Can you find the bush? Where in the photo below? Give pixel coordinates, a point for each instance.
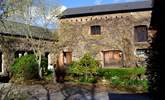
(126, 78)
(87, 64)
(88, 80)
(121, 72)
(85, 68)
(26, 67)
(48, 75)
(88, 61)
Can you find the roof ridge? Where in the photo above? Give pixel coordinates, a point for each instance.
(131, 2)
(108, 8)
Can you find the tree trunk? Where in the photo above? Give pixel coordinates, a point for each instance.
(39, 66)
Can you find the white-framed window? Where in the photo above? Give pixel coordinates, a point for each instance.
(19, 53)
(141, 53)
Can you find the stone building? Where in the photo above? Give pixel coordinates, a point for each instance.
(14, 43)
(115, 34)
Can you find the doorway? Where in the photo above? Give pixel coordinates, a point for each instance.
(0, 61)
(67, 58)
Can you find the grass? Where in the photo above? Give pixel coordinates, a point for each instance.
(124, 79)
(129, 79)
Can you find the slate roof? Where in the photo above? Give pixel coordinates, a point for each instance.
(19, 29)
(107, 9)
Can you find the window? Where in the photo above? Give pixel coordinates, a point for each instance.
(47, 54)
(141, 52)
(19, 54)
(48, 58)
(140, 33)
(0, 61)
(96, 30)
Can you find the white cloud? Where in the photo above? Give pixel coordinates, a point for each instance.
(63, 8)
(98, 2)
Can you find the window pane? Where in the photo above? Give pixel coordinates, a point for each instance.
(140, 33)
(95, 30)
(142, 52)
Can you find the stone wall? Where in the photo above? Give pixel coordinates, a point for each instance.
(117, 33)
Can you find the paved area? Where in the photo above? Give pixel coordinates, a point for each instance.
(116, 96)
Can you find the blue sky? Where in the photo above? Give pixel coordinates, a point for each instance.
(79, 3)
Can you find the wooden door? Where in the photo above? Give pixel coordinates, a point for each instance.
(112, 58)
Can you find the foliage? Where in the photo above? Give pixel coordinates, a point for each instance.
(87, 64)
(127, 78)
(88, 80)
(48, 75)
(88, 61)
(44, 66)
(87, 67)
(26, 67)
(120, 72)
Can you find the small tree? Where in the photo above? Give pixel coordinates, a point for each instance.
(86, 66)
(90, 65)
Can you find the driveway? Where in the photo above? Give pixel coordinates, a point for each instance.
(116, 96)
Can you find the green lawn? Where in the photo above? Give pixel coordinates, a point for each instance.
(124, 79)
(131, 79)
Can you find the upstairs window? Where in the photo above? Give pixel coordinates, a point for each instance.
(140, 33)
(96, 30)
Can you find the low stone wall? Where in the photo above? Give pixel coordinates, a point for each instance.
(48, 92)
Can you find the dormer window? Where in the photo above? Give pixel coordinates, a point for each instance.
(96, 30)
(140, 33)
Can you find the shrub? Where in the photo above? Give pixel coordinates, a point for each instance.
(88, 79)
(88, 61)
(86, 64)
(75, 69)
(121, 72)
(127, 78)
(26, 67)
(86, 67)
(48, 75)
